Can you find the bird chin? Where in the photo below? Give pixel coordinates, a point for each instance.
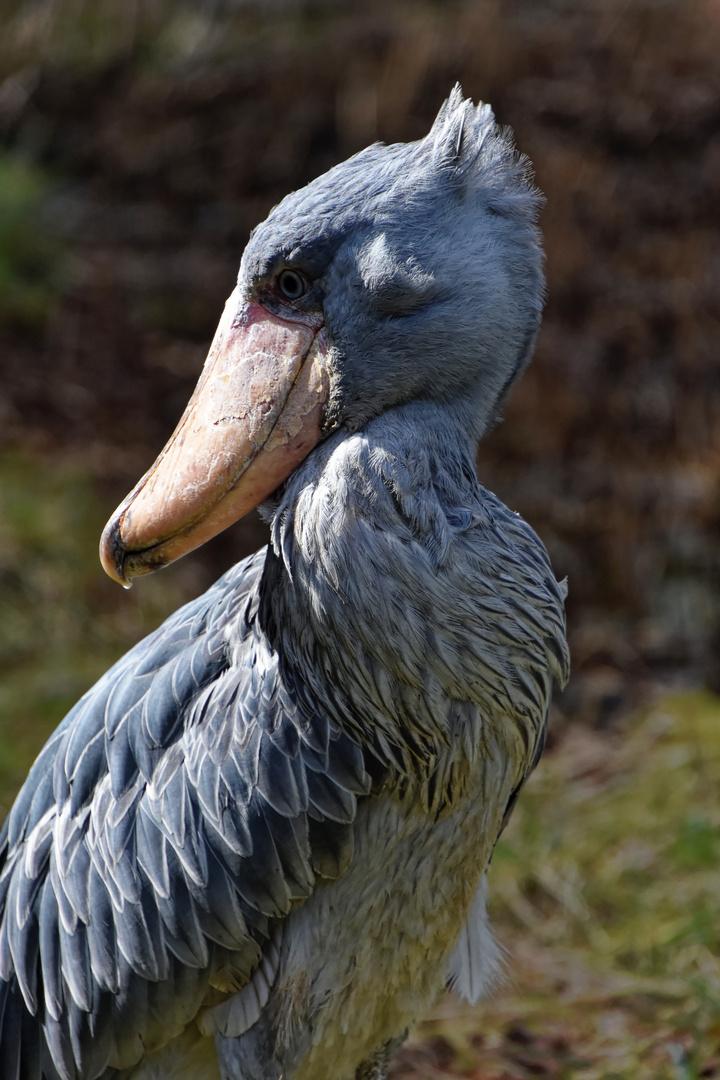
(256, 413)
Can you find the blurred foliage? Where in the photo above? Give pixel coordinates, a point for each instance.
(29, 253)
(62, 624)
(604, 889)
(87, 35)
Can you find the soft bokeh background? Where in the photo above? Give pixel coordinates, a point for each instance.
(139, 143)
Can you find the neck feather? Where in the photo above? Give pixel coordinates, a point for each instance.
(390, 571)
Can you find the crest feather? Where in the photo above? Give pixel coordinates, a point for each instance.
(459, 130)
(467, 142)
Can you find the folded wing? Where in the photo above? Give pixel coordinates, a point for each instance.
(185, 803)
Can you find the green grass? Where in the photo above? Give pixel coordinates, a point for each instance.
(62, 623)
(605, 891)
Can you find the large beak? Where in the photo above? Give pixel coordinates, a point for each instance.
(255, 414)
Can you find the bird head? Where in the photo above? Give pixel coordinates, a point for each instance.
(410, 272)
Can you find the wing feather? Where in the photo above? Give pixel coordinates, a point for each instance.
(189, 798)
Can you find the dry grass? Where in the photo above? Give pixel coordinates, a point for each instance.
(605, 894)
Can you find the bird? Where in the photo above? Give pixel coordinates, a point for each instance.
(257, 848)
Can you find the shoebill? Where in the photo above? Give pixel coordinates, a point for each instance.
(256, 849)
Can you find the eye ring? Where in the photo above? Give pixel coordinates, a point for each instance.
(291, 284)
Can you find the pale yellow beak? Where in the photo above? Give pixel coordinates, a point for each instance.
(255, 414)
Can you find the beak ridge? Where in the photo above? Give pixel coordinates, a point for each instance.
(255, 414)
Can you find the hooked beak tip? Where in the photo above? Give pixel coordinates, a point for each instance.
(112, 553)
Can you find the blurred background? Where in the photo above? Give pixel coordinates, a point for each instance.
(139, 143)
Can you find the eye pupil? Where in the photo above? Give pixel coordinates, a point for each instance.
(290, 284)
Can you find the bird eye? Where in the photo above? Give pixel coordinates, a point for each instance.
(291, 284)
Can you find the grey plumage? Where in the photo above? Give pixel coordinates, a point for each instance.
(328, 741)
